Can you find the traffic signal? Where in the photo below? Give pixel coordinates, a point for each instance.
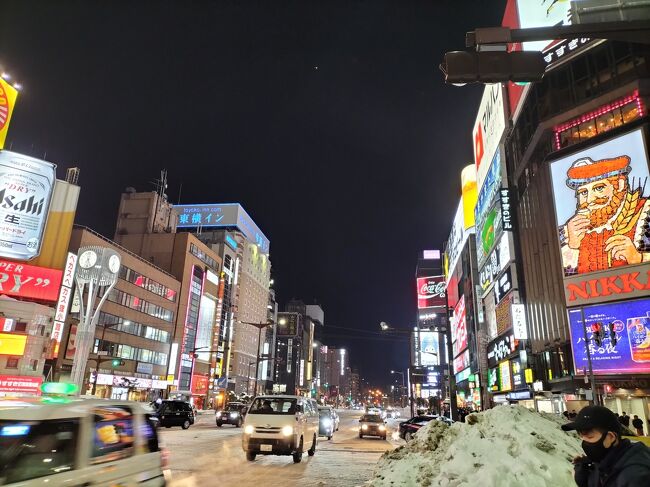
(462, 67)
(116, 362)
(612, 334)
(597, 330)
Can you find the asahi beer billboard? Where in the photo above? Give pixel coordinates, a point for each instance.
(26, 186)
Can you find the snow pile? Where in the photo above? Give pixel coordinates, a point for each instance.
(508, 446)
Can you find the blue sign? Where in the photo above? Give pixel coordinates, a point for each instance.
(489, 190)
(628, 353)
(221, 382)
(227, 215)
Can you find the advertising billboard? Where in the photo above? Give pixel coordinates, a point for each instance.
(459, 327)
(28, 281)
(469, 194)
(431, 292)
(461, 362)
(487, 195)
(493, 380)
(488, 129)
(518, 380)
(60, 220)
(629, 321)
(501, 348)
(23, 384)
(288, 325)
(542, 14)
(227, 215)
(8, 95)
(601, 205)
(496, 262)
(26, 186)
(505, 376)
(429, 347)
(12, 344)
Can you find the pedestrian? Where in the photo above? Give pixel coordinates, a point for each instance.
(638, 425)
(625, 420)
(609, 460)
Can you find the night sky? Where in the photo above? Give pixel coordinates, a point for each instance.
(329, 121)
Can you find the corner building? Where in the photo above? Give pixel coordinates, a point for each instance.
(584, 257)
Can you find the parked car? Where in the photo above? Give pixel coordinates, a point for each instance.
(173, 412)
(73, 441)
(281, 425)
(408, 428)
(327, 424)
(372, 425)
(233, 413)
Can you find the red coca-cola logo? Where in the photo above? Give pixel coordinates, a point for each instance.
(431, 292)
(432, 288)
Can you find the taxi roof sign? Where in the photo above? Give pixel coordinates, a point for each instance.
(60, 388)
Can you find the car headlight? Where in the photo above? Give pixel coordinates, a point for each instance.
(364, 426)
(327, 421)
(287, 430)
(382, 428)
(249, 429)
(233, 415)
(219, 414)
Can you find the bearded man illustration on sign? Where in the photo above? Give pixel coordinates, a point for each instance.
(610, 226)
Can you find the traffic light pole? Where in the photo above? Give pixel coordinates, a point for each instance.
(99, 359)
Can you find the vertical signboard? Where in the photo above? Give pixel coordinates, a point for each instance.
(62, 306)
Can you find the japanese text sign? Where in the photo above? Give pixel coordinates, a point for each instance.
(630, 323)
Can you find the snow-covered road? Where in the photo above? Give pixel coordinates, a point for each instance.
(205, 454)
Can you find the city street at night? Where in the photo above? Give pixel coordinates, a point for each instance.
(325, 243)
(204, 453)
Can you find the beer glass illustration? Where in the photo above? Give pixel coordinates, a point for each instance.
(638, 333)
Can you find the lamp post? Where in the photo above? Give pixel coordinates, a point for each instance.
(97, 268)
(260, 327)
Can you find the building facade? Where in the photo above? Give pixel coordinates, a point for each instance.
(135, 328)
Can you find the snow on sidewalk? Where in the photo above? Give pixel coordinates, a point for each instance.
(508, 446)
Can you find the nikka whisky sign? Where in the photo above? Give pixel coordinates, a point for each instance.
(611, 285)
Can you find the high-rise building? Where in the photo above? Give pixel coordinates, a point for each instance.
(195, 360)
(229, 245)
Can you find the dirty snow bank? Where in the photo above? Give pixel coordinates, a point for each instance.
(508, 446)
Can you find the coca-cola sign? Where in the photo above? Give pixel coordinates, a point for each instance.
(431, 292)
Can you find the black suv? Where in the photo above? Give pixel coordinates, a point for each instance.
(175, 413)
(233, 413)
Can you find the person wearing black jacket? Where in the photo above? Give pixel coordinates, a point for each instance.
(610, 461)
(638, 425)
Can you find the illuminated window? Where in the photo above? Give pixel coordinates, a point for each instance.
(599, 121)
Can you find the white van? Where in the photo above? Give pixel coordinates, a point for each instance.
(66, 441)
(281, 425)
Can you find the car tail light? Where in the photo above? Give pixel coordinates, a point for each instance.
(164, 458)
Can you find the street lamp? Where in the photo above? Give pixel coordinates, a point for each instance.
(259, 327)
(97, 268)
